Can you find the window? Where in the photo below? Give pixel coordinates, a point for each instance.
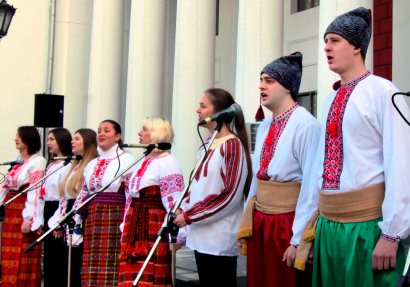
(252, 129)
(302, 5)
(308, 101)
(307, 4)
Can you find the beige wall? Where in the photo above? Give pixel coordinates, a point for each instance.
(23, 69)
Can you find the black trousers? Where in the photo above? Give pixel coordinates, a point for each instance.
(55, 252)
(216, 270)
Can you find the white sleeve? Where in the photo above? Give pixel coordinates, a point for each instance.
(59, 213)
(77, 239)
(36, 172)
(171, 183)
(38, 219)
(80, 199)
(306, 146)
(396, 139)
(3, 193)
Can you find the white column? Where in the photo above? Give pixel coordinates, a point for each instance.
(145, 64)
(401, 44)
(260, 41)
(104, 93)
(193, 73)
(70, 59)
(328, 11)
(169, 52)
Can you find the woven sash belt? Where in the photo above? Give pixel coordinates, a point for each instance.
(272, 197)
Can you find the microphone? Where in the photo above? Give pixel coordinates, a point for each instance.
(161, 146)
(74, 157)
(233, 110)
(13, 162)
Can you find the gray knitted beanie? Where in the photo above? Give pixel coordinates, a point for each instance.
(355, 26)
(287, 70)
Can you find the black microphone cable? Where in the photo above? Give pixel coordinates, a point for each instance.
(118, 158)
(200, 137)
(203, 145)
(397, 108)
(45, 172)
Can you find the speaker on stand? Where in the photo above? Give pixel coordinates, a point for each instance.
(48, 113)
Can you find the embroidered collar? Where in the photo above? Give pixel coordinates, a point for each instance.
(163, 154)
(33, 156)
(285, 114)
(355, 81)
(111, 153)
(220, 141)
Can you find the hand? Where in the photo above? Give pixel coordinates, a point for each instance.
(180, 220)
(58, 233)
(240, 243)
(40, 230)
(289, 255)
(174, 246)
(25, 227)
(384, 255)
(310, 257)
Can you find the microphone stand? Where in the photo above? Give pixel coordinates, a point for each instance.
(74, 211)
(168, 225)
(397, 108)
(404, 280)
(5, 204)
(71, 225)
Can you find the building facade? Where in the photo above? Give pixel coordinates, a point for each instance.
(126, 59)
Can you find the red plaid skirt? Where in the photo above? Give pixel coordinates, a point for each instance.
(102, 240)
(19, 269)
(143, 220)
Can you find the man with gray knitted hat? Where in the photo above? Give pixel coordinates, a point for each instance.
(284, 153)
(363, 168)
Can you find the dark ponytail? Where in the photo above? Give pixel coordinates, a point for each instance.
(222, 99)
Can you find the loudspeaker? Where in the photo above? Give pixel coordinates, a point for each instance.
(48, 110)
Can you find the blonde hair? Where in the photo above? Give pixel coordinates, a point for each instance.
(90, 152)
(160, 130)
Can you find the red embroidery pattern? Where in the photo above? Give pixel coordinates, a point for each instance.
(171, 183)
(50, 169)
(204, 165)
(36, 175)
(99, 170)
(269, 146)
(13, 175)
(333, 163)
(140, 173)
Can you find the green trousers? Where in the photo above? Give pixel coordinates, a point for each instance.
(342, 256)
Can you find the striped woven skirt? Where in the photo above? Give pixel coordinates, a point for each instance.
(102, 240)
(19, 269)
(143, 220)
